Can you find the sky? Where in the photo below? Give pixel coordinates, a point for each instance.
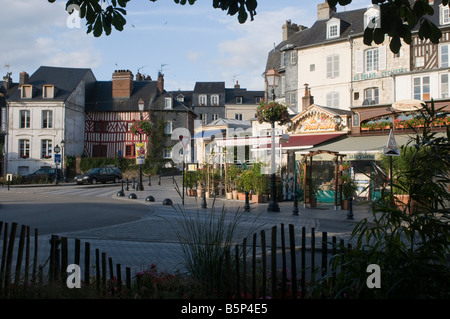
(188, 44)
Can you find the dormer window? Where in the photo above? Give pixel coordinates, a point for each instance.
(180, 97)
(238, 99)
(333, 28)
(48, 91)
(444, 14)
(168, 103)
(215, 99)
(202, 99)
(372, 17)
(27, 91)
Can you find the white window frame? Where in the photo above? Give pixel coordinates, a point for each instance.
(46, 148)
(215, 116)
(167, 153)
(26, 115)
(48, 91)
(202, 99)
(444, 88)
(238, 99)
(371, 60)
(215, 99)
(24, 148)
(168, 127)
(238, 116)
(332, 66)
(444, 56)
(425, 88)
(204, 118)
(167, 103)
(26, 91)
(283, 59)
(47, 119)
(374, 95)
(293, 56)
(333, 99)
(333, 31)
(444, 12)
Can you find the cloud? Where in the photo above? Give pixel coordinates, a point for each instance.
(35, 33)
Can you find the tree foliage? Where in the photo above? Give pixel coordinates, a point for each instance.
(398, 17)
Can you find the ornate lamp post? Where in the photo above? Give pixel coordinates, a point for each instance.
(140, 185)
(57, 150)
(63, 143)
(273, 78)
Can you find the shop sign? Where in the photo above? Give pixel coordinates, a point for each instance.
(408, 105)
(317, 123)
(360, 157)
(378, 74)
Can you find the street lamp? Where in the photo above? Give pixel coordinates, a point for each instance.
(63, 143)
(140, 185)
(56, 149)
(273, 77)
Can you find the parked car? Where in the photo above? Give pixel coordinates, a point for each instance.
(100, 175)
(43, 175)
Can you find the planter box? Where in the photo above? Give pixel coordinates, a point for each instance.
(259, 198)
(235, 194)
(241, 196)
(229, 195)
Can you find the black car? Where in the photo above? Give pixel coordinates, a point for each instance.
(45, 174)
(100, 175)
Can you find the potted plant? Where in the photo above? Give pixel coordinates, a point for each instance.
(349, 188)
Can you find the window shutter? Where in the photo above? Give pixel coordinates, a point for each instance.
(359, 62)
(382, 57)
(329, 66)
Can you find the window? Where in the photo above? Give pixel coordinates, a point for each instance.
(215, 99)
(312, 67)
(293, 57)
(258, 99)
(99, 150)
(422, 88)
(238, 116)
(202, 99)
(444, 15)
(180, 97)
(291, 98)
(215, 116)
(355, 119)
(24, 119)
(47, 119)
(238, 99)
(167, 153)
(101, 127)
(370, 60)
(168, 128)
(443, 56)
(48, 91)
(371, 96)
(168, 103)
(332, 66)
(46, 148)
(333, 99)
(129, 150)
(333, 31)
(26, 91)
(444, 85)
(204, 118)
(24, 148)
(283, 59)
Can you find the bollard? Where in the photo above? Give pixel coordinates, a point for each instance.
(121, 192)
(350, 208)
(295, 210)
(159, 180)
(149, 180)
(204, 200)
(127, 186)
(247, 204)
(133, 186)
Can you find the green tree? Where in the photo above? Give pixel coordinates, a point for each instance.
(398, 17)
(155, 154)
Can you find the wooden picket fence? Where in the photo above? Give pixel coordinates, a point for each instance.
(250, 269)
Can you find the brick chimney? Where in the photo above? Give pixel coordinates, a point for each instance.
(122, 84)
(160, 82)
(307, 99)
(324, 11)
(237, 86)
(7, 81)
(289, 29)
(24, 78)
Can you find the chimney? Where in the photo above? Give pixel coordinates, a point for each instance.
(122, 84)
(24, 78)
(7, 81)
(160, 82)
(139, 77)
(289, 29)
(324, 11)
(237, 86)
(307, 99)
